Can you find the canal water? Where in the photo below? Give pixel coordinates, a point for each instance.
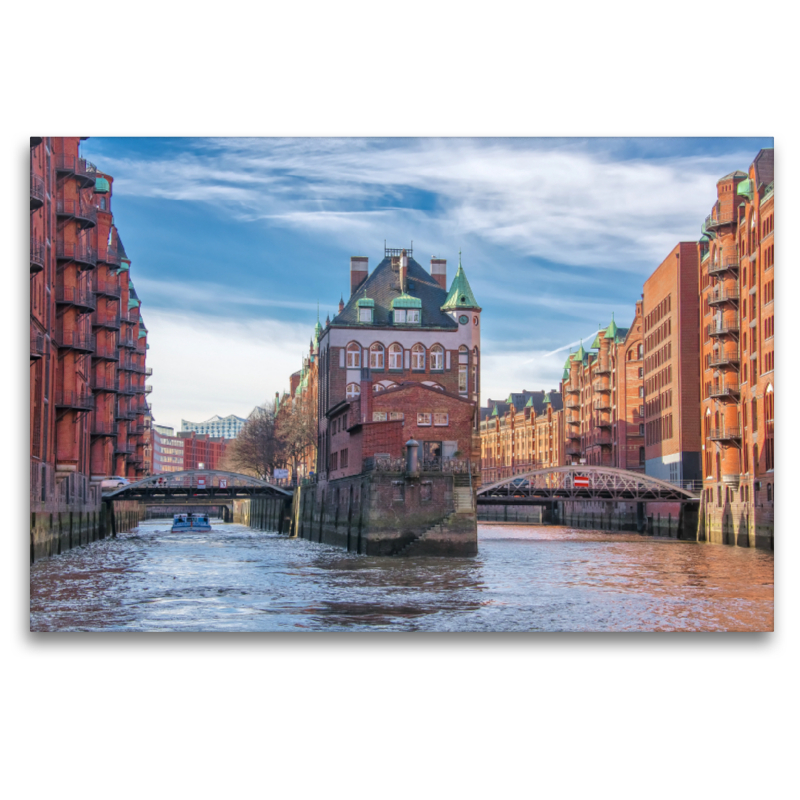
(523, 579)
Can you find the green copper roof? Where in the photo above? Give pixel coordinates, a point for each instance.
(568, 361)
(406, 301)
(494, 411)
(565, 376)
(142, 334)
(579, 354)
(546, 398)
(529, 404)
(460, 294)
(611, 330)
(102, 186)
(596, 342)
(704, 239)
(133, 303)
(365, 302)
(745, 189)
(125, 265)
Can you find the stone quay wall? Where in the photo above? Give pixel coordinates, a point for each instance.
(264, 513)
(56, 531)
(383, 513)
(739, 524)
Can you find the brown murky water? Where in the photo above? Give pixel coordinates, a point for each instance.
(523, 579)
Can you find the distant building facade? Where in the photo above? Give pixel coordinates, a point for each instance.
(603, 389)
(217, 427)
(167, 450)
(201, 449)
(522, 433)
(671, 369)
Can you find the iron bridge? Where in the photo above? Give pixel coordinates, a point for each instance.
(192, 485)
(605, 483)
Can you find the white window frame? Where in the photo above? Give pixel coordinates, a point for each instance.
(352, 391)
(437, 357)
(354, 355)
(424, 419)
(412, 316)
(395, 356)
(399, 316)
(418, 357)
(379, 416)
(441, 423)
(375, 351)
(365, 315)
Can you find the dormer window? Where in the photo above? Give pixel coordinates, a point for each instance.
(406, 310)
(366, 307)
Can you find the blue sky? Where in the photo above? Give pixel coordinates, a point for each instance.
(233, 242)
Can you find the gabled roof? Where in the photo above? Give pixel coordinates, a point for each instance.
(460, 294)
(383, 286)
(525, 399)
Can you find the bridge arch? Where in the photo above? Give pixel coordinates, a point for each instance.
(604, 483)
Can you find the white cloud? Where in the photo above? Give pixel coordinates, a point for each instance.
(559, 201)
(205, 365)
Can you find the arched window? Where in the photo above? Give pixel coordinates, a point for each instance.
(353, 390)
(376, 356)
(437, 357)
(353, 355)
(640, 351)
(418, 357)
(395, 356)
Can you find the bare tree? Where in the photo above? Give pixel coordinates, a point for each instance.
(257, 449)
(297, 431)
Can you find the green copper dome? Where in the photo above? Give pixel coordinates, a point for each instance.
(133, 303)
(406, 301)
(102, 186)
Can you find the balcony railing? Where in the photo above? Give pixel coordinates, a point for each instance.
(725, 434)
(75, 340)
(604, 422)
(725, 296)
(148, 389)
(107, 351)
(602, 405)
(124, 413)
(573, 420)
(104, 383)
(724, 359)
(131, 316)
(102, 428)
(37, 345)
(74, 399)
(600, 386)
(571, 389)
(127, 341)
(81, 254)
(573, 451)
(124, 448)
(37, 255)
(125, 387)
(37, 192)
(601, 370)
(728, 390)
(82, 169)
(573, 404)
(100, 320)
(573, 434)
(81, 296)
(722, 218)
(724, 329)
(108, 289)
(84, 213)
(111, 256)
(148, 372)
(126, 363)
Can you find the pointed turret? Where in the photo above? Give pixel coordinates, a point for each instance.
(611, 330)
(341, 304)
(460, 294)
(579, 354)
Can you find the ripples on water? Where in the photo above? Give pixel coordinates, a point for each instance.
(523, 579)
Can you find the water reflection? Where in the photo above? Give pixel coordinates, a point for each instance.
(524, 578)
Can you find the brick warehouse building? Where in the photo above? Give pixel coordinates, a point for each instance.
(737, 290)
(522, 433)
(88, 411)
(671, 369)
(604, 398)
(200, 448)
(401, 333)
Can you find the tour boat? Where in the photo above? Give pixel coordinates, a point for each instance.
(190, 522)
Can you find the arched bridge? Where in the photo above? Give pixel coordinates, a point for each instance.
(196, 485)
(583, 483)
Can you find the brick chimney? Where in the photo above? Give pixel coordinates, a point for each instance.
(403, 271)
(439, 271)
(366, 395)
(359, 269)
